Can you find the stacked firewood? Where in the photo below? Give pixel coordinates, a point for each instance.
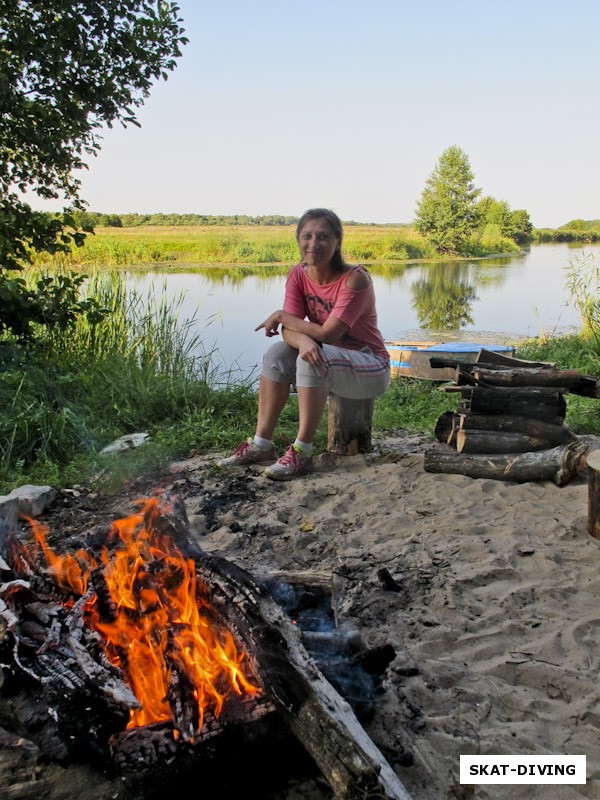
(510, 421)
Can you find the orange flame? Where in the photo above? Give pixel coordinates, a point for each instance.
(161, 623)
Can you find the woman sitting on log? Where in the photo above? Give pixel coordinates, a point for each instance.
(331, 343)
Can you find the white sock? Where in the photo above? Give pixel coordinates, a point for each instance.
(304, 446)
(262, 444)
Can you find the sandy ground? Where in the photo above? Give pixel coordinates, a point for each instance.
(487, 591)
(494, 613)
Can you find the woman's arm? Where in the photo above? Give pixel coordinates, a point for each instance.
(308, 349)
(332, 330)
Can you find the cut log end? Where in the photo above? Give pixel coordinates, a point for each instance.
(593, 464)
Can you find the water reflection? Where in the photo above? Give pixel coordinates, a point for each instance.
(442, 300)
(504, 298)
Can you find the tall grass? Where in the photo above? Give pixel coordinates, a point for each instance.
(234, 245)
(141, 369)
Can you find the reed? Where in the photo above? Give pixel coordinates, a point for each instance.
(177, 247)
(140, 369)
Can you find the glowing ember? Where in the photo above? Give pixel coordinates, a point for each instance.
(160, 630)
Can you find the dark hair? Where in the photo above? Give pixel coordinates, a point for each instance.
(334, 222)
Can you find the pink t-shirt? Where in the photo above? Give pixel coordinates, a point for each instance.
(308, 300)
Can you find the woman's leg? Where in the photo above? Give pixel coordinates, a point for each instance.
(272, 397)
(311, 402)
(278, 373)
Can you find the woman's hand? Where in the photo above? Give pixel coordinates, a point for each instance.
(309, 350)
(271, 324)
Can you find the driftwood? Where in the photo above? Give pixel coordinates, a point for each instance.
(558, 464)
(349, 424)
(593, 463)
(318, 716)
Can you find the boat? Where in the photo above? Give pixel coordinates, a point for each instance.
(412, 359)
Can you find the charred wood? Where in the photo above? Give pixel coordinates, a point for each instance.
(317, 715)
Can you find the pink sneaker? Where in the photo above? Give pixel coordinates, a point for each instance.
(248, 453)
(292, 463)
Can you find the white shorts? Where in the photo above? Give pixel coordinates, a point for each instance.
(356, 374)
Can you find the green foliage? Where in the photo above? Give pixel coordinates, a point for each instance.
(583, 282)
(446, 212)
(571, 352)
(578, 230)
(495, 215)
(410, 405)
(140, 368)
(67, 69)
(521, 229)
(50, 301)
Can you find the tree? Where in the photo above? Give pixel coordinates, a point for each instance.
(515, 225)
(446, 213)
(521, 229)
(66, 70)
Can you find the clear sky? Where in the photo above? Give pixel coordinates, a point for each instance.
(276, 107)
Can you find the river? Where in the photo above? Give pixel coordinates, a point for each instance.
(500, 299)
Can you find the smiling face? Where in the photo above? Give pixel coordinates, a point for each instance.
(317, 242)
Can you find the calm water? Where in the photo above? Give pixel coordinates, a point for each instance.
(493, 300)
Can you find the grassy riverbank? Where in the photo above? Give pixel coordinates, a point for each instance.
(75, 392)
(178, 246)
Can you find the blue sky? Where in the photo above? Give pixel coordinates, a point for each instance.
(276, 107)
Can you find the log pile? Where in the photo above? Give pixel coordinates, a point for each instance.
(510, 421)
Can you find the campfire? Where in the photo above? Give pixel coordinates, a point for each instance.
(154, 621)
(141, 650)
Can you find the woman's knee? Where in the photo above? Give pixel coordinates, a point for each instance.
(311, 376)
(279, 363)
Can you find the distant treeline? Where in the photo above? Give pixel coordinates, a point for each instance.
(578, 230)
(96, 219)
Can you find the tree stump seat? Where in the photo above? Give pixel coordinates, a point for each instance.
(349, 425)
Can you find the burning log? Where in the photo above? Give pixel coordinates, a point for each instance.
(320, 719)
(558, 464)
(261, 648)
